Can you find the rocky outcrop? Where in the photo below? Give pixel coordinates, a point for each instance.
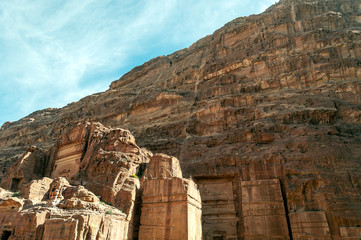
(89, 154)
(273, 97)
(64, 212)
(31, 165)
(101, 163)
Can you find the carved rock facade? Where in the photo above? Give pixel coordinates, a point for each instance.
(272, 99)
(102, 163)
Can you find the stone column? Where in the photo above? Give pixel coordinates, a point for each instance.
(171, 205)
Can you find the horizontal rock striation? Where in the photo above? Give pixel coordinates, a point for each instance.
(268, 98)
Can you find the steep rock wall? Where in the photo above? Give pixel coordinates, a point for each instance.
(273, 97)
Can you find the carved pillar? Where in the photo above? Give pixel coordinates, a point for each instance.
(171, 205)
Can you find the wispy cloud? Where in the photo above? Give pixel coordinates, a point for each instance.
(266, 4)
(55, 52)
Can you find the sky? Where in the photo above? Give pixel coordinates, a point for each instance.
(56, 52)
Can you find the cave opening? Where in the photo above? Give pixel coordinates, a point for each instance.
(15, 183)
(5, 235)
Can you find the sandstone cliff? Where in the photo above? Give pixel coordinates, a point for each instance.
(107, 199)
(264, 114)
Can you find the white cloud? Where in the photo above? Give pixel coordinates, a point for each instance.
(55, 52)
(266, 4)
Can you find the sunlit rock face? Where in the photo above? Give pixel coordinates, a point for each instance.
(264, 115)
(91, 189)
(63, 212)
(171, 205)
(97, 203)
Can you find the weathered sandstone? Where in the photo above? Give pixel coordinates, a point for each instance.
(71, 213)
(272, 99)
(171, 206)
(108, 162)
(28, 167)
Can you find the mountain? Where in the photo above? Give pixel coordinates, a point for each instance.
(264, 115)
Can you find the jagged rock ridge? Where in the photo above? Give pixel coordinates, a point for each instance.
(271, 101)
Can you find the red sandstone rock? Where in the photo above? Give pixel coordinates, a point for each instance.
(31, 165)
(37, 190)
(171, 205)
(77, 214)
(266, 97)
(106, 161)
(163, 166)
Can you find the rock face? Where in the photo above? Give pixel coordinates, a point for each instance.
(29, 166)
(270, 101)
(102, 163)
(263, 210)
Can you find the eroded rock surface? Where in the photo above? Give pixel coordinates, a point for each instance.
(171, 205)
(270, 97)
(92, 190)
(64, 212)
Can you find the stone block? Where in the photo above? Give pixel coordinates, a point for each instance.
(62, 229)
(36, 190)
(350, 232)
(163, 166)
(263, 209)
(218, 208)
(309, 225)
(171, 209)
(29, 226)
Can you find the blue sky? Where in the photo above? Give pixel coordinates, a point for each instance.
(56, 52)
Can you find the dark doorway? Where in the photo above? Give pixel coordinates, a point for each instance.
(5, 235)
(15, 184)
